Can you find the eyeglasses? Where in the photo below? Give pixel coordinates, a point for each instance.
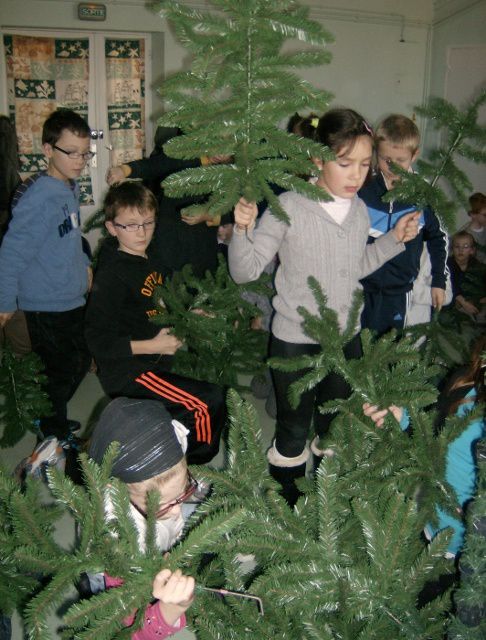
(74, 155)
(462, 246)
(133, 227)
(190, 491)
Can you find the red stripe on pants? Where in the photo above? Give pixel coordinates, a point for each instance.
(197, 407)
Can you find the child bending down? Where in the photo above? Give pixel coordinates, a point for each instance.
(326, 240)
(151, 456)
(461, 395)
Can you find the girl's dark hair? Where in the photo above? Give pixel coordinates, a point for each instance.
(303, 126)
(9, 155)
(474, 375)
(61, 120)
(9, 167)
(339, 128)
(129, 194)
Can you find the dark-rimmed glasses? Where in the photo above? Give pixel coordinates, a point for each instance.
(189, 491)
(133, 226)
(74, 155)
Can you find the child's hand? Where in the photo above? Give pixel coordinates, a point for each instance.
(166, 344)
(192, 220)
(438, 297)
(378, 415)
(5, 317)
(245, 214)
(407, 227)
(174, 592)
(466, 306)
(115, 174)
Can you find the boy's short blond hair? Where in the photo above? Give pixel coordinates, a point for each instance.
(399, 130)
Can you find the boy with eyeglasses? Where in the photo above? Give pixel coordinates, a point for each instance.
(133, 355)
(150, 457)
(43, 269)
(468, 276)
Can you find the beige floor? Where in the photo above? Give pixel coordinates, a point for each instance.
(85, 405)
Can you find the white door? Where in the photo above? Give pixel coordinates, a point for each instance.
(100, 75)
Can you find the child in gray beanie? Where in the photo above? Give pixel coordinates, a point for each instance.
(151, 456)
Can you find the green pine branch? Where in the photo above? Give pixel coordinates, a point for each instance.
(464, 137)
(208, 311)
(239, 87)
(22, 401)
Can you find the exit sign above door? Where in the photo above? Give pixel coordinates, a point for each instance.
(91, 11)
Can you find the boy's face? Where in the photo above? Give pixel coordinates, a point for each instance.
(394, 153)
(462, 250)
(133, 229)
(60, 164)
(171, 490)
(478, 218)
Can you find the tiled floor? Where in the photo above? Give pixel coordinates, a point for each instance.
(85, 406)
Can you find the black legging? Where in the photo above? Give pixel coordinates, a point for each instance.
(293, 425)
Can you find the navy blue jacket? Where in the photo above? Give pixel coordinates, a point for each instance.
(397, 275)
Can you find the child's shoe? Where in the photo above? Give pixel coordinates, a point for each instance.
(48, 453)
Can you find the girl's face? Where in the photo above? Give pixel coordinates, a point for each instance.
(344, 176)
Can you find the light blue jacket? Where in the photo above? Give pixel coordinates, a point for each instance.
(460, 473)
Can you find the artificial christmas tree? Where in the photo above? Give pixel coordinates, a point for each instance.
(239, 87)
(23, 401)
(212, 318)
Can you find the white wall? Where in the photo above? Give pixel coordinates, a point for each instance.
(458, 66)
(371, 71)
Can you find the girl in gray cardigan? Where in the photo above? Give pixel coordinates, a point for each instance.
(326, 240)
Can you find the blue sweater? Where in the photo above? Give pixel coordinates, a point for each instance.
(398, 274)
(42, 264)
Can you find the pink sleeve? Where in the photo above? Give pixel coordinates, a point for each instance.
(155, 627)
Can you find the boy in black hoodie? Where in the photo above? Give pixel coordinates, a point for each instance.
(134, 355)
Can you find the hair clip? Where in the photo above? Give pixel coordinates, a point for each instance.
(314, 122)
(368, 128)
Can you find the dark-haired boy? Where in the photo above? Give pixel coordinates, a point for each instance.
(43, 269)
(387, 291)
(133, 355)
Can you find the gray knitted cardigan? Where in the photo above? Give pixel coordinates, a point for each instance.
(314, 244)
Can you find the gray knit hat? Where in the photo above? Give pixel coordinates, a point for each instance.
(144, 430)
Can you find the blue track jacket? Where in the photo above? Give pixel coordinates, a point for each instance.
(398, 274)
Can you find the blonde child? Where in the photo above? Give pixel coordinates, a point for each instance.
(326, 240)
(388, 290)
(151, 457)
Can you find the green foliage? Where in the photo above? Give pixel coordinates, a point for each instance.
(390, 371)
(346, 562)
(238, 88)
(212, 318)
(462, 136)
(22, 400)
(445, 341)
(14, 587)
(470, 599)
